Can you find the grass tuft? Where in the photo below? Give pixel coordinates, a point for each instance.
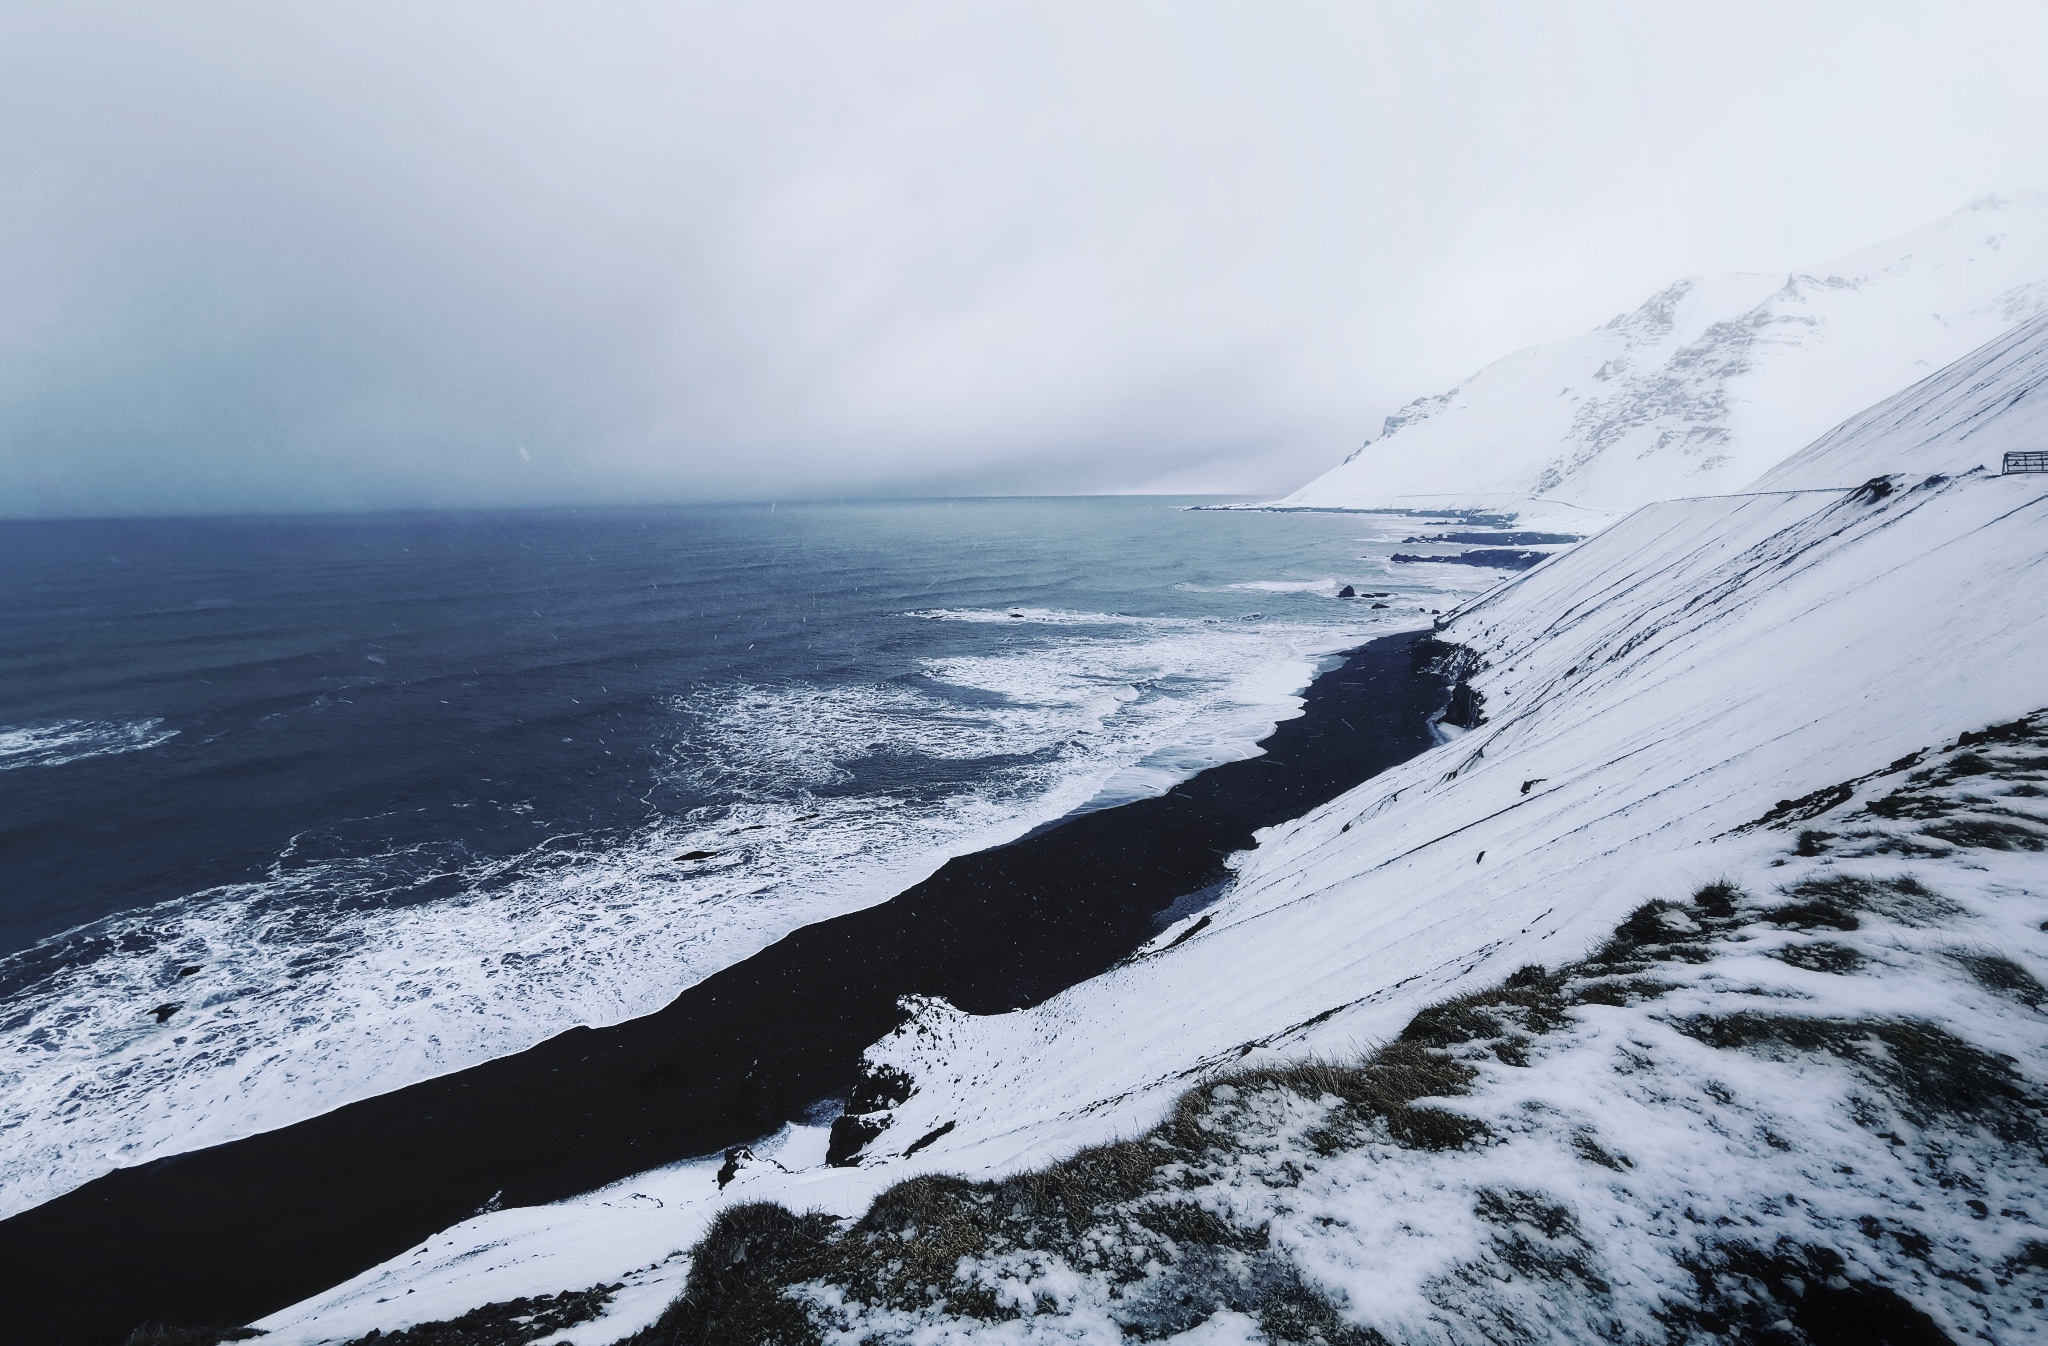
(511, 1322)
(1928, 1073)
(1990, 834)
(1822, 956)
(739, 1278)
(2002, 976)
(1832, 903)
(1123, 1211)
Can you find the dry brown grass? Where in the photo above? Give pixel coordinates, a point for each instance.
(905, 1250)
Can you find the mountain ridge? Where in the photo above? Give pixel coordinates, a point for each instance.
(1710, 382)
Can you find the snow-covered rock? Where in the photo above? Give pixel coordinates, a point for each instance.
(1709, 383)
(1671, 703)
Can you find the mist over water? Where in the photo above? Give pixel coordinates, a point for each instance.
(363, 800)
(261, 256)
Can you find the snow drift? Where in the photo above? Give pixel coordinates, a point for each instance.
(1710, 382)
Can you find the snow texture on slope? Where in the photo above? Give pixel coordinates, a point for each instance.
(1648, 697)
(1711, 381)
(1750, 1116)
(1991, 402)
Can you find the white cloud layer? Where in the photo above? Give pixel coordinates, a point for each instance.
(289, 256)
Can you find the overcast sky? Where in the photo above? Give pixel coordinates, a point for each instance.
(277, 255)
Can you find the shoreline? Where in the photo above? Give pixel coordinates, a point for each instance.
(232, 1233)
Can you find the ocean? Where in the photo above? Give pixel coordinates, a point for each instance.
(295, 811)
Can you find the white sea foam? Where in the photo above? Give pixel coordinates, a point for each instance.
(1327, 587)
(331, 980)
(75, 740)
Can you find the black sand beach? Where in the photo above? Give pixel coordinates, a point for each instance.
(229, 1234)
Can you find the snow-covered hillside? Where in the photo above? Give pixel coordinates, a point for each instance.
(1815, 1064)
(1993, 400)
(1710, 382)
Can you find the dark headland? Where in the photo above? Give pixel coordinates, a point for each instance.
(228, 1234)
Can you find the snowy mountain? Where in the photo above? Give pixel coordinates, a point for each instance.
(1710, 382)
(1695, 993)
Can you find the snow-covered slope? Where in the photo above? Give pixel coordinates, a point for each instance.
(1993, 400)
(1711, 382)
(1713, 688)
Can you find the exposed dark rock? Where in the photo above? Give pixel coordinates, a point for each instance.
(512, 1322)
(928, 1138)
(1900, 804)
(159, 1334)
(2016, 731)
(875, 1090)
(878, 1088)
(1807, 805)
(1197, 928)
(1496, 558)
(164, 1012)
(1501, 539)
(1457, 663)
(850, 1135)
(1467, 709)
(1347, 592)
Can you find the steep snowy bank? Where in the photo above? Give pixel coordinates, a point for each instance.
(1777, 1117)
(1649, 698)
(1993, 400)
(1711, 381)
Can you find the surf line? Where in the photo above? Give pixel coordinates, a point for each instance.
(240, 1230)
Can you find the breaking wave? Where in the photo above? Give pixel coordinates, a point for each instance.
(76, 740)
(330, 979)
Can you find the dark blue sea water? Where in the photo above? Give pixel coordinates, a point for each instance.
(347, 802)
